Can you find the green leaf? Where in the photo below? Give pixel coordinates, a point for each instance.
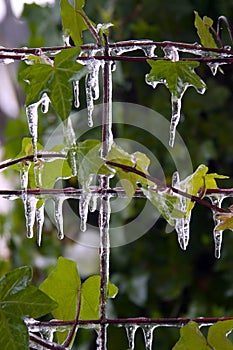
(203, 30)
(199, 181)
(88, 161)
(217, 335)
(226, 220)
(17, 300)
(191, 338)
(63, 285)
(177, 76)
(72, 22)
(54, 79)
(90, 298)
(136, 160)
(165, 203)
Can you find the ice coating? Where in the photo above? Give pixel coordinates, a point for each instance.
(93, 203)
(45, 101)
(29, 202)
(83, 210)
(66, 40)
(32, 117)
(217, 200)
(133, 45)
(130, 332)
(176, 108)
(39, 223)
(24, 177)
(76, 93)
(70, 141)
(58, 215)
(92, 87)
(148, 335)
(38, 167)
(182, 226)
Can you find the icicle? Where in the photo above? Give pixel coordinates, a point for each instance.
(172, 53)
(76, 93)
(66, 40)
(130, 331)
(92, 87)
(182, 225)
(83, 210)
(45, 101)
(29, 202)
(32, 116)
(39, 222)
(215, 66)
(176, 108)
(70, 141)
(217, 200)
(148, 336)
(38, 167)
(133, 45)
(58, 204)
(93, 203)
(24, 176)
(72, 161)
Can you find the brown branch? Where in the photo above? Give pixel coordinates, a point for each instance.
(163, 186)
(45, 343)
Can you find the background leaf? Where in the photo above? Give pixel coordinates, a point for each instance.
(203, 30)
(72, 22)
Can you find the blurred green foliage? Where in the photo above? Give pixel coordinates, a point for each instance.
(155, 278)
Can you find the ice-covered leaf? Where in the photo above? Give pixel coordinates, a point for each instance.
(226, 220)
(90, 298)
(177, 76)
(54, 79)
(166, 204)
(191, 338)
(136, 160)
(63, 285)
(17, 300)
(203, 30)
(72, 22)
(87, 155)
(217, 335)
(199, 181)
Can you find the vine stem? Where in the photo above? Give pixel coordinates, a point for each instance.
(163, 186)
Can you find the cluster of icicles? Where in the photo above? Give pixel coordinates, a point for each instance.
(47, 333)
(35, 213)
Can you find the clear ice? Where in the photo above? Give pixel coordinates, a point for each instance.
(93, 203)
(92, 87)
(133, 45)
(29, 202)
(148, 335)
(24, 177)
(83, 210)
(39, 223)
(182, 226)
(217, 200)
(130, 331)
(76, 93)
(58, 215)
(176, 108)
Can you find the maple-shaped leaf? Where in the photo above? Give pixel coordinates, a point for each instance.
(177, 76)
(203, 30)
(191, 338)
(18, 299)
(54, 79)
(226, 220)
(217, 335)
(72, 21)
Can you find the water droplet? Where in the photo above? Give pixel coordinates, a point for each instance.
(58, 215)
(148, 335)
(130, 331)
(29, 202)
